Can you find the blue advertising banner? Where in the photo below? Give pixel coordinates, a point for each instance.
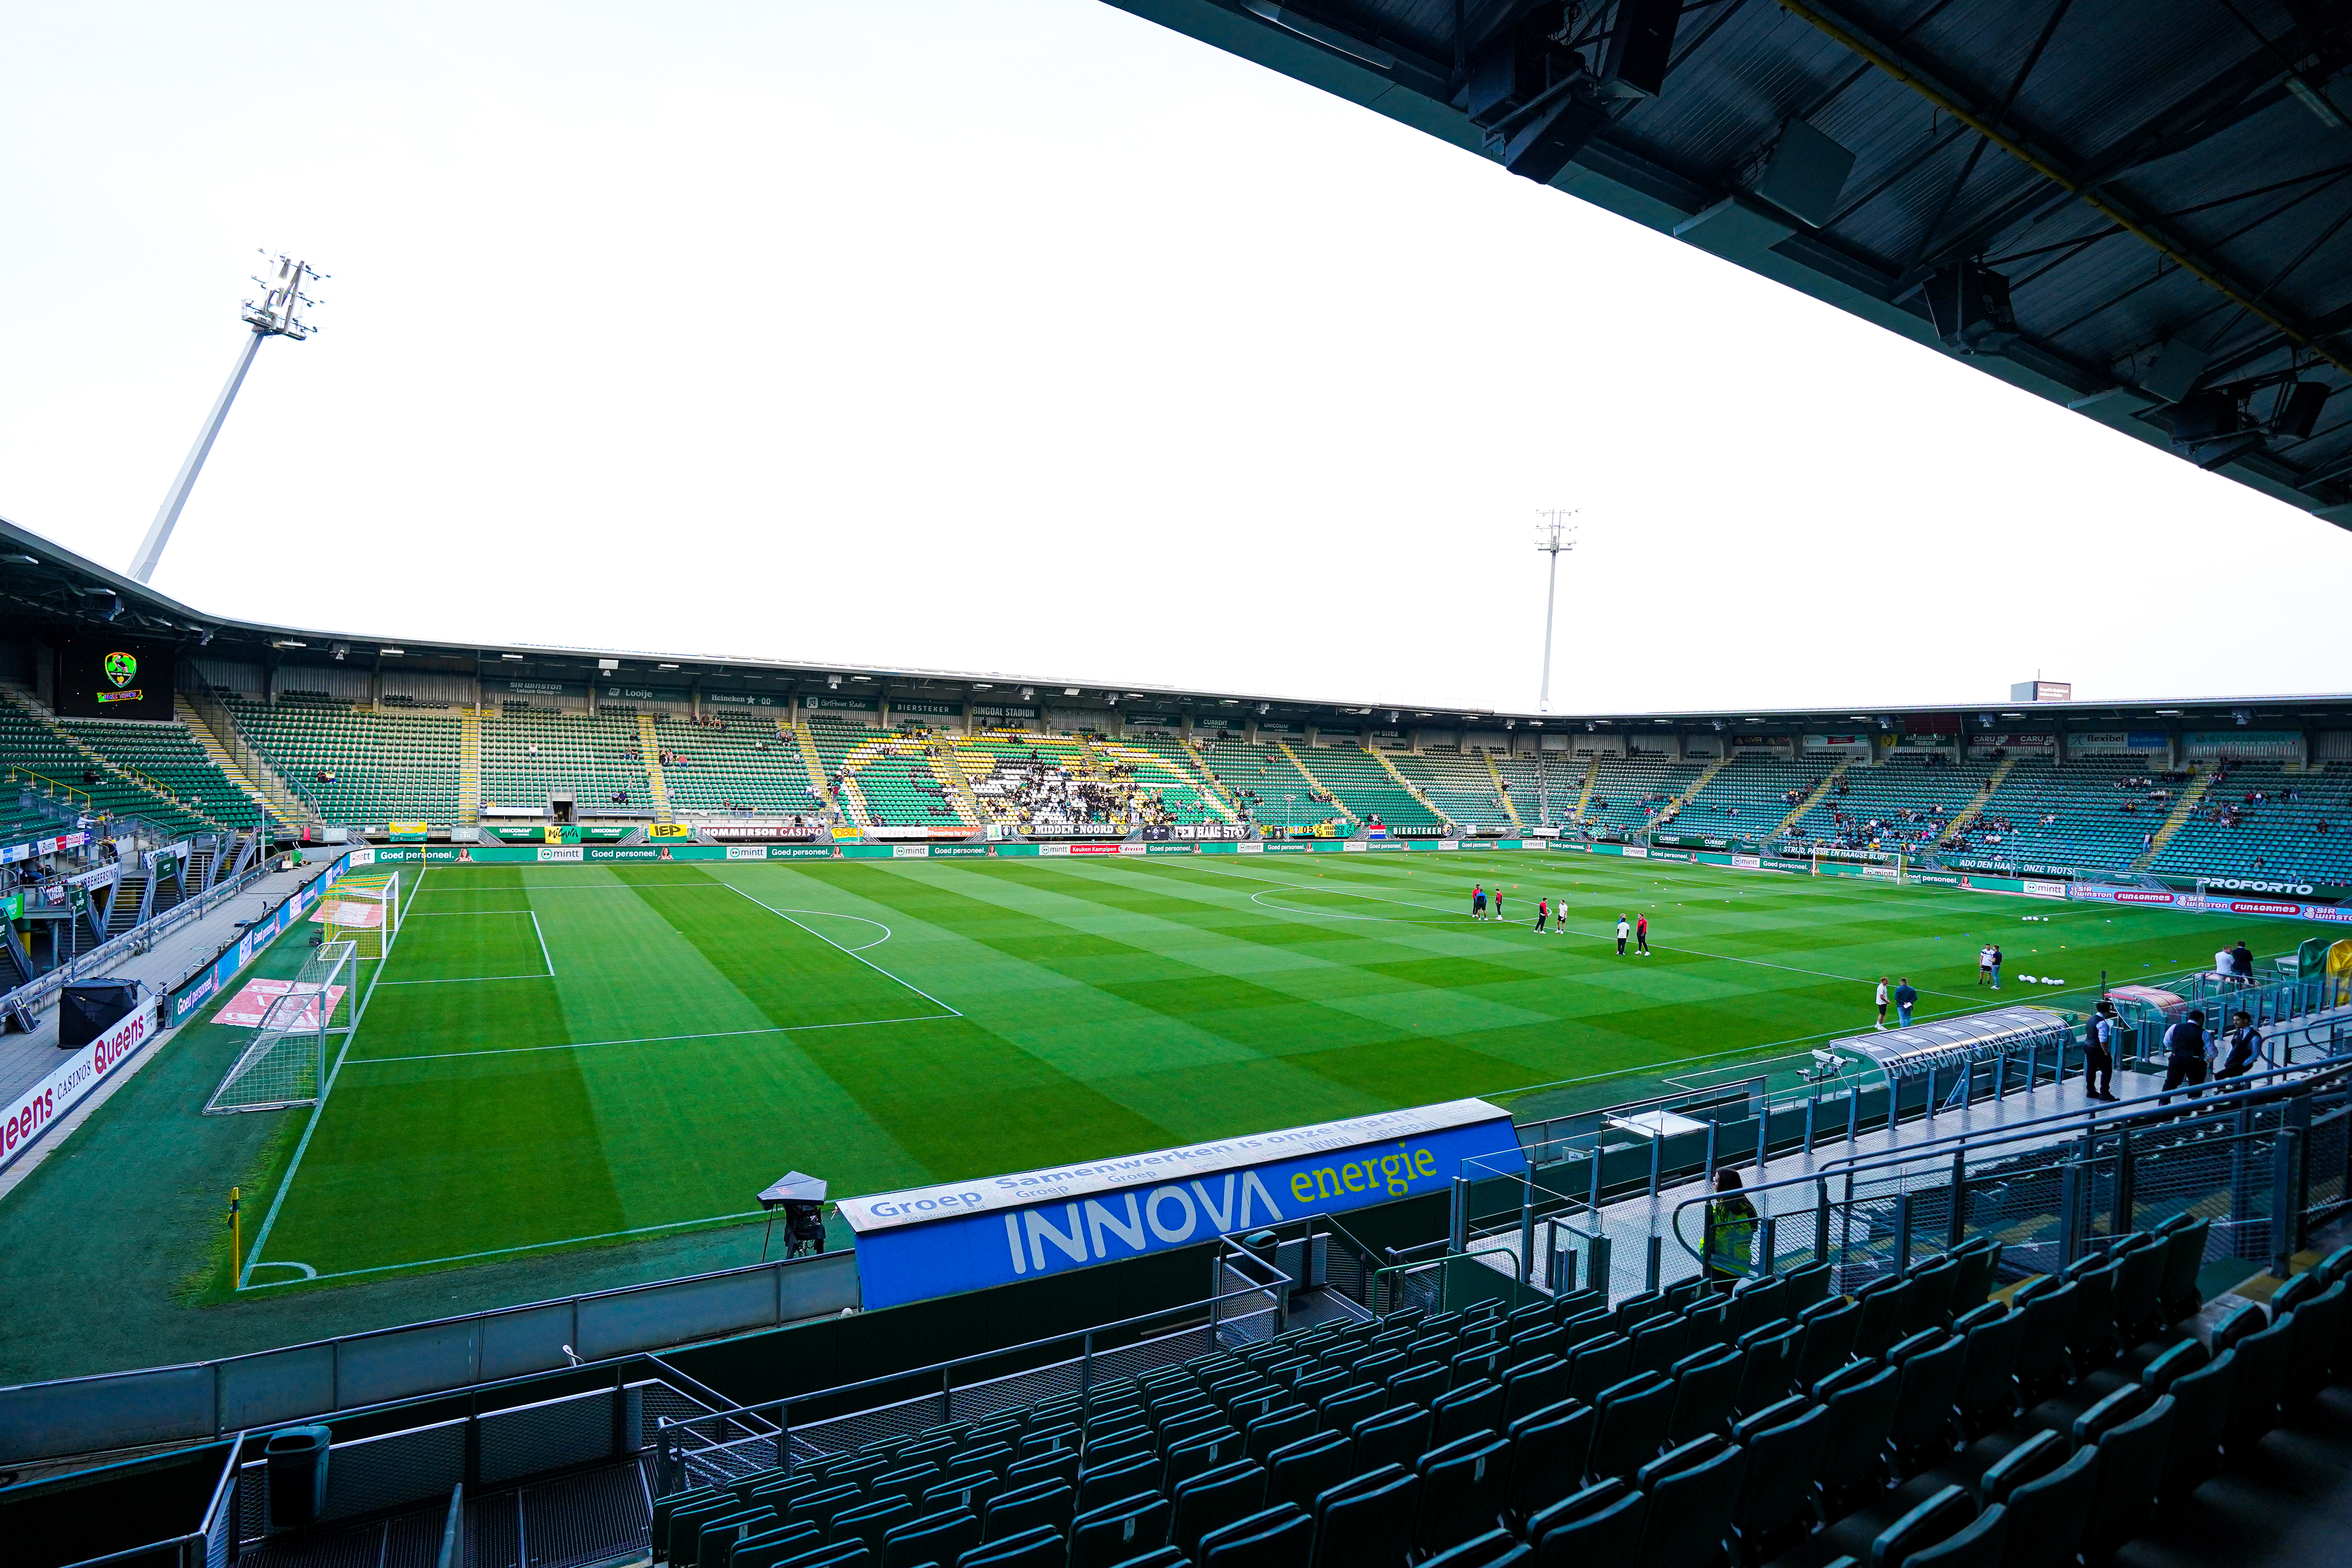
(967, 1236)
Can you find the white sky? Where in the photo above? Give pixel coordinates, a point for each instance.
(1025, 336)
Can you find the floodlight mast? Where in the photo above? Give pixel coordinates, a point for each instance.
(278, 314)
(1552, 538)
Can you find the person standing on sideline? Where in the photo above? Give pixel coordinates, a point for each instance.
(2241, 963)
(1995, 951)
(1642, 935)
(2245, 1045)
(1730, 1241)
(1623, 932)
(1904, 1000)
(1543, 908)
(1477, 901)
(1984, 964)
(1882, 1001)
(2185, 1058)
(2225, 963)
(1499, 900)
(2099, 1053)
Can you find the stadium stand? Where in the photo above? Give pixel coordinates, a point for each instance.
(2094, 813)
(1677, 1429)
(734, 766)
(1751, 796)
(1265, 785)
(1545, 788)
(1906, 802)
(895, 784)
(377, 767)
(1458, 785)
(1177, 786)
(1366, 789)
(1629, 793)
(166, 756)
(2256, 820)
(528, 752)
(40, 747)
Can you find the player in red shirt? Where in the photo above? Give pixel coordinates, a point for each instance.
(1642, 936)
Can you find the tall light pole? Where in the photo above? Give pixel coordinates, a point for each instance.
(278, 314)
(1552, 538)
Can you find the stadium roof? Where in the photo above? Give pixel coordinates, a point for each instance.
(2159, 190)
(48, 591)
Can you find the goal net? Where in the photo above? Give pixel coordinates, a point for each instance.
(365, 913)
(285, 1064)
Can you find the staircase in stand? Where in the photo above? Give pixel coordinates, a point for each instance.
(800, 737)
(1584, 795)
(1414, 789)
(1502, 789)
(2183, 809)
(1821, 792)
(649, 748)
(264, 789)
(469, 766)
(1208, 785)
(1977, 803)
(122, 911)
(1305, 772)
(1667, 812)
(950, 769)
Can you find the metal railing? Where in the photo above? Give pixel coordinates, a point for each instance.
(724, 1444)
(2262, 1163)
(138, 939)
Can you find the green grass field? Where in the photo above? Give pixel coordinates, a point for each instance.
(565, 1055)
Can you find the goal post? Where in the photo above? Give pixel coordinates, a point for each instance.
(286, 1063)
(366, 914)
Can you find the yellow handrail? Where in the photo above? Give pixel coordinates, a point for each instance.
(71, 793)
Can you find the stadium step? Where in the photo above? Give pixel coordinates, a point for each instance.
(2182, 810)
(950, 767)
(469, 766)
(1306, 774)
(1502, 791)
(649, 748)
(1414, 790)
(260, 783)
(1672, 808)
(1975, 808)
(1210, 787)
(818, 785)
(1584, 795)
(1821, 792)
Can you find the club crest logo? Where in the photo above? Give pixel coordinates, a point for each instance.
(121, 668)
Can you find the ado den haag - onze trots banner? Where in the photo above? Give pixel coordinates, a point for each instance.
(965, 1235)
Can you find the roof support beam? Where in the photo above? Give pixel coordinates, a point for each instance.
(2079, 186)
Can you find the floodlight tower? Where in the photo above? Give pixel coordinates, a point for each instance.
(278, 314)
(1553, 537)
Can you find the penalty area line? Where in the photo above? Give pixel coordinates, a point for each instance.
(656, 1039)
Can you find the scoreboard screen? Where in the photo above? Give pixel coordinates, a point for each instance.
(115, 678)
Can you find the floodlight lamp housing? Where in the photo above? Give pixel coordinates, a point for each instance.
(278, 312)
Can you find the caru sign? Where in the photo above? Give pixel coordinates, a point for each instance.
(965, 1235)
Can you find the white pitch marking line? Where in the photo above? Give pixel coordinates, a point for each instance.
(657, 1040)
(852, 951)
(492, 1252)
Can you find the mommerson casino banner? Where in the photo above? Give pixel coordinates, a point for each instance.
(114, 678)
(966, 1236)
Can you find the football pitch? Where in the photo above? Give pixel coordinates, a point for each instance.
(562, 1056)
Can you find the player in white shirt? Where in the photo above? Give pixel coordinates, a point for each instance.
(1623, 930)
